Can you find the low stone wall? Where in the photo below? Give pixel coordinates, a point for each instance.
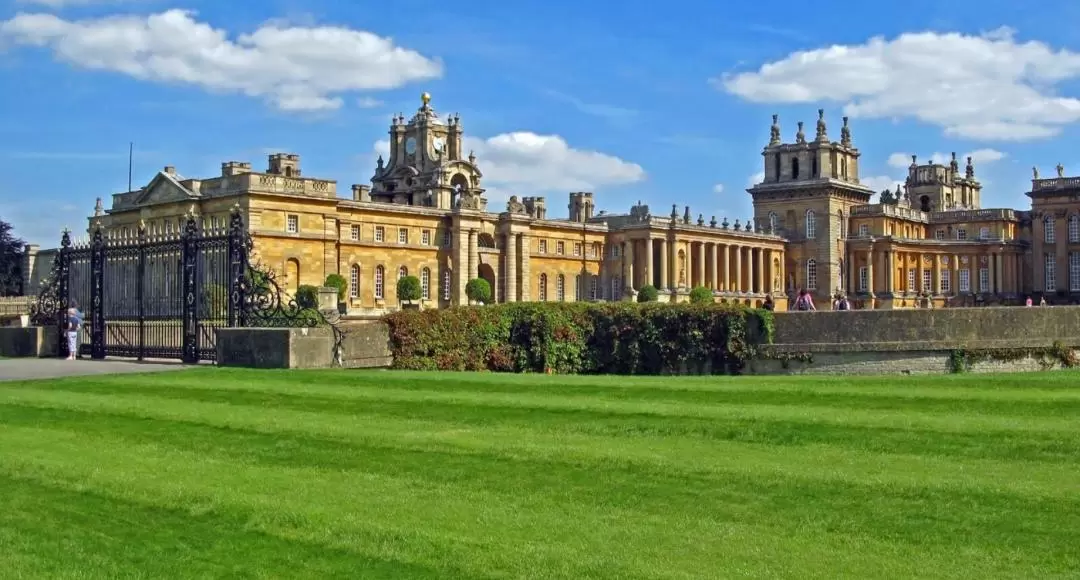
(275, 348)
(30, 341)
(920, 360)
(365, 344)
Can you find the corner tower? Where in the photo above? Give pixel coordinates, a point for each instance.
(807, 193)
(938, 187)
(427, 166)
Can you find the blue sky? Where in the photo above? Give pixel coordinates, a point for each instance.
(632, 100)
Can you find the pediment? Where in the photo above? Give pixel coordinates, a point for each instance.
(162, 189)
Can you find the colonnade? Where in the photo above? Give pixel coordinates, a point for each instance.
(895, 271)
(730, 267)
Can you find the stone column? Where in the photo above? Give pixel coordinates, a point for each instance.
(956, 273)
(998, 278)
(525, 284)
(937, 275)
(664, 277)
(628, 265)
(510, 253)
(710, 266)
(650, 274)
(870, 286)
(890, 273)
(699, 264)
(759, 269)
(725, 267)
(472, 255)
(673, 263)
(737, 251)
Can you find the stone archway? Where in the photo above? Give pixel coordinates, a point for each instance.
(486, 272)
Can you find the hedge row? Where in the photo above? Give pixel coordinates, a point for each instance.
(614, 338)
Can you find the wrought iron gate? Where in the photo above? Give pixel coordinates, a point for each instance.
(152, 294)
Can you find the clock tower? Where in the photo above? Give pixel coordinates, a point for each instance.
(426, 165)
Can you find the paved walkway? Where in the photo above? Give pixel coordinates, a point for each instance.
(17, 369)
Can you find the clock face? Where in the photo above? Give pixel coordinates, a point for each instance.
(438, 144)
(410, 145)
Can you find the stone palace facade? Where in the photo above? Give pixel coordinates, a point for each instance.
(425, 214)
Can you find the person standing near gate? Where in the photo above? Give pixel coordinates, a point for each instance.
(74, 324)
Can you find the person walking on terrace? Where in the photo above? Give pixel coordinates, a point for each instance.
(804, 302)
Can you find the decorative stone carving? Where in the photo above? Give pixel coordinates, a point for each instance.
(469, 200)
(515, 206)
(1060, 170)
(1035, 172)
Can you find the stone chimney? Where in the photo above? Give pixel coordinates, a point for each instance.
(170, 170)
(361, 192)
(231, 168)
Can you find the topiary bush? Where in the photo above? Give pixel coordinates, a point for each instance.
(701, 295)
(408, 289)
(613, 338)
(478, 290)
(337, 281)
(648, 293)
(307, 296)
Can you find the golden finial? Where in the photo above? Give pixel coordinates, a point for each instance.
(425, 98)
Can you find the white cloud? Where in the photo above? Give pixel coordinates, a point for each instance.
(903, 160)
(880, 182)
(755, 179)
(295, 68)
(718, 188)
(368, 103)
(56, 4)
(979, 87)
(525, 163)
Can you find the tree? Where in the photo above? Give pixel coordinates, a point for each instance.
(701, 295)
(337, 281)
(478, 290)
(648, 293)
(11, 261)
(408, 289)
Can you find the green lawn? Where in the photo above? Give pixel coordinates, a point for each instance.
(276, 474)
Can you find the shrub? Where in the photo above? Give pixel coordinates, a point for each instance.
(701, 295)
(613, 338)
(408, 289)
(337, 281)
(478, 290)
(648, 293)
(307, 296)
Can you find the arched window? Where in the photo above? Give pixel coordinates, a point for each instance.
(292, 273)
(425, 284)
(773, 222)
(811, 224)
(354, 281)
(579, 288)
(541, 293)
(776, 166)
(1048, 230)
(380, 282)
(560, 288)
(1074, 228)
(616, 288)
(811, 274)
(402, 272)
(447, 275)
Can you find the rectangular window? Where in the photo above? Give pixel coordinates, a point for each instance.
(1074, 229)
(446, 285)
(961, 234)
(292, 224)
(380, 233)
(354, 233)
(592, 286)
(927, 281)
(380, 275)
(940, 234)
(1048, 230)
(543, 246)
(425, 284)
(1074, 272)
(560, 248)
(614, 250)
(1050, 265)
(911, 280)
(864, 279)
(984, 233)
(864, 230)
(354, 282)
(446, 241)
(577, 249)
(425, 237)
(984, 280)
(616, 288)
(403, 235)
(965, 280)
(946, 281)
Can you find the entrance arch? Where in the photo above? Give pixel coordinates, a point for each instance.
(486, 272)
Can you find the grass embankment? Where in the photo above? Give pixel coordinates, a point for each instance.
(404, 475)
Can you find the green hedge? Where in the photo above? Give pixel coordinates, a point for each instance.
(615, 338)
